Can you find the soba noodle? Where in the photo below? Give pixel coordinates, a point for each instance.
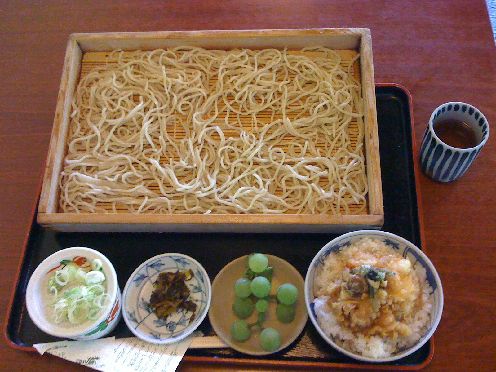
(189, 130)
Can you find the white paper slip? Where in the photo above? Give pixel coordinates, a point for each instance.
(95, 354)
(135, 355)
(125, 354)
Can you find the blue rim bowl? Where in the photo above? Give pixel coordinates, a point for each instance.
(406, 249)
(136, 310)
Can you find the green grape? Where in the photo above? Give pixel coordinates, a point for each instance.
(262, 306)
(285, 313)
(287, 294)
(270, 339)
(240, 330)
(243, 307)
(242, 288)
(258, 262)
(260, 286)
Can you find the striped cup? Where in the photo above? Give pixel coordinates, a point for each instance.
(443, 162)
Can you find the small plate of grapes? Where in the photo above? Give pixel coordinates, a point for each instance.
(258, 306)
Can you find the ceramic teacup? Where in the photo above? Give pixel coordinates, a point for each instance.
(445, 163)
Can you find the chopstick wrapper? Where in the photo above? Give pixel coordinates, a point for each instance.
(124, 354)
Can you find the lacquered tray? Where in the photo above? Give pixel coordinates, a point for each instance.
(127, 250)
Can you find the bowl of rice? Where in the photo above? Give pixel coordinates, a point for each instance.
(373, 296)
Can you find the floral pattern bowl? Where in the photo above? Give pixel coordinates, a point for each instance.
(139, 315)
(37, 296)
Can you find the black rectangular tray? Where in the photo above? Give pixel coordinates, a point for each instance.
(127, 250)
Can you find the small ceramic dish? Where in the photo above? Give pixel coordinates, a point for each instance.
(404, 248)
(37, 295)
(222, 316)
(138, 314)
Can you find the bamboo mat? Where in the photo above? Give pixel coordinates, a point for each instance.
(92, 60)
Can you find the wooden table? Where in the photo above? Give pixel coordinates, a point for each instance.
(439, 50)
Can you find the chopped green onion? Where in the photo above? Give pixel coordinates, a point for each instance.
(61, 277)
(96, 289)
(78, 294)
(80, 276)
(54, 291)
(101, 301)
(94, 277)
(93, 313)
(96, 264)
(78, 313)
(71, 270)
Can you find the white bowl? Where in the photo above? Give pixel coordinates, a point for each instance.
(406, 249)
(89, 330)
(137, 312)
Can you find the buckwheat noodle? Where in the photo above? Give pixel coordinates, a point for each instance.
(189, 130)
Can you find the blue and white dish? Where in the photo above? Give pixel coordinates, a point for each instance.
(445, 163)
(404, 248)
(141, 319)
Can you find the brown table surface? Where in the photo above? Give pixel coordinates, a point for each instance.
(440, 50)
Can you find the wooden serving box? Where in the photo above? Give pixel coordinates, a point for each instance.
(84, 51)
